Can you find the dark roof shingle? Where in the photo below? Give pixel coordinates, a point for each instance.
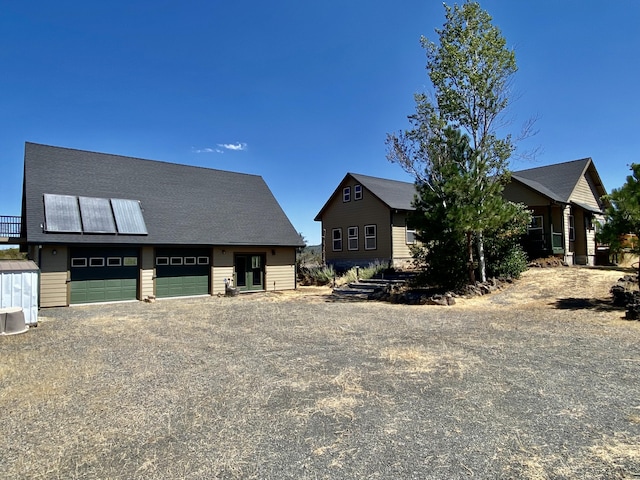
(557, 181)
(182, 205)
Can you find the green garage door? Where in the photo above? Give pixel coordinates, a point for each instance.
(182, 272)
(103, 275)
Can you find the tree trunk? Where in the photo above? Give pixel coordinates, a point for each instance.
(481, 263)
(472, 275)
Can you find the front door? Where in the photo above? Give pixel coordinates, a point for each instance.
(249, 272)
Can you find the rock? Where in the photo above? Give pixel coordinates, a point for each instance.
(437, 300)
(633, 312)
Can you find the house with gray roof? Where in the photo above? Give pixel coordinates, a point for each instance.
(105, 227)
(365, 221)
(566, 204)
(365, 218)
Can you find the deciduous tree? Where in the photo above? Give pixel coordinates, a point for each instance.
(452, 147)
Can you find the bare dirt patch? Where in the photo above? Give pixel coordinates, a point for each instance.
(518, 384)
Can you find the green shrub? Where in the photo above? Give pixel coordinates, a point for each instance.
(12, 254)
(361, 273)
(511, 264)
(316, 275)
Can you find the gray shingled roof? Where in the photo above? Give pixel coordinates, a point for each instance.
(556, 181)
(395, 194)
(182, 205)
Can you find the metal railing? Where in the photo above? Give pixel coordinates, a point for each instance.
(10, 226)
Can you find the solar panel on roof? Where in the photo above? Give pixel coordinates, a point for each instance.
(62, 214)
(97, 216)
(129, 217)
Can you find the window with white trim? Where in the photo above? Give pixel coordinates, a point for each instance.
(96, 262)
(336, 235)
(346, 194)
(572, 228)
(410, 235)
(189, 260)
(162, 261)
(352, 238)
(203, 260)
(78, 262)
(114, 261)
(357, 192)
(176, 261)
(370, 242)
(130, 261)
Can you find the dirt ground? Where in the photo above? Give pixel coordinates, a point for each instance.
(536, 381)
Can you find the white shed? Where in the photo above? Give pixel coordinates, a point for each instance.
(19, 287)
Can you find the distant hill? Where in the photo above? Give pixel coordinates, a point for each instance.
(313, 249)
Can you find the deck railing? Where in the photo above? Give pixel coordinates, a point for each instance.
(10, 226)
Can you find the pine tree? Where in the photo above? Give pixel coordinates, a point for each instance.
(452, 148)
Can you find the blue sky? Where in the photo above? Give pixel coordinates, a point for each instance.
(298, 92)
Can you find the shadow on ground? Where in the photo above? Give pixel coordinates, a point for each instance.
(572, 303)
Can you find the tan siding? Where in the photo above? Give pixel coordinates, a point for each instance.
(53, 289)
(280, 277)
(584, 194)
(357, 213)
(218, 276)
(401, 250)
(222, 267)
(147, 271)
(518, 193)
(53, 277)
(279, 267)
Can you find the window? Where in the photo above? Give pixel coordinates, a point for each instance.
(337, 239)
(203, 260)
(130, 261)
(176, 260)
(162, 261)
(346, 194)
(536, 225)
(189, 260)
(357, 192)
(96, 262)
(410, 236)
(78, 262)
(572, 228)
(370, 237)
(352, 237)
(114, 261)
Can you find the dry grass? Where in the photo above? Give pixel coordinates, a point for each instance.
(521, 384)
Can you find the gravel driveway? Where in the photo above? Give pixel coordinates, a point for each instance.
(538, 381)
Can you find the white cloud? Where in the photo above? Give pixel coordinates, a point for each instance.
(221, 147)
(233, 146)
(202, 150)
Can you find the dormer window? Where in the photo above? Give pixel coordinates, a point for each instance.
(346, 194)
(357, 192)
